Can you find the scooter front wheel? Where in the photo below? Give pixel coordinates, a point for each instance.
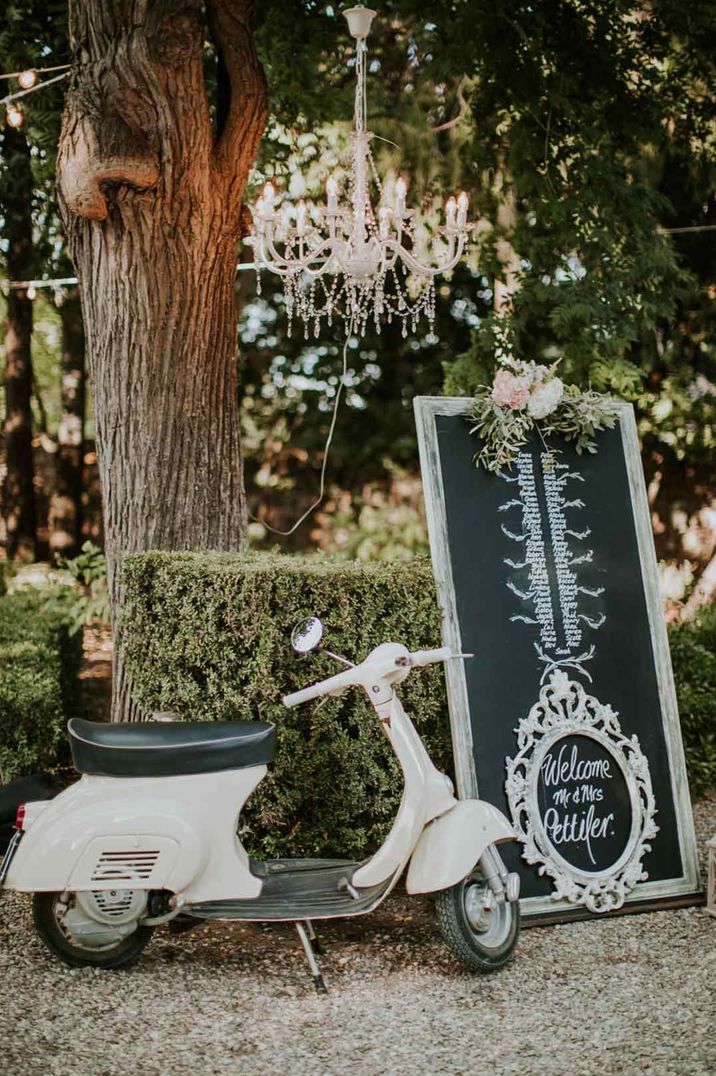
(481, 932)
(76, 934)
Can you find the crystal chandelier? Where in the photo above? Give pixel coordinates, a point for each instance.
(361, 263)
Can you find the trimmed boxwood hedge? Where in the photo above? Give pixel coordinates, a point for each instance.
(207, 636)
(39, 664)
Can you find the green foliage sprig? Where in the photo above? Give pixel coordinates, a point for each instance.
(85, 603)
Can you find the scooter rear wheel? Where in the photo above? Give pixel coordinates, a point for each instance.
(47, 915)
(482, 937)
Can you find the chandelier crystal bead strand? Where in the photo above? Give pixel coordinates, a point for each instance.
(358, 263)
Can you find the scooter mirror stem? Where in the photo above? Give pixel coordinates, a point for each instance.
(339, 657)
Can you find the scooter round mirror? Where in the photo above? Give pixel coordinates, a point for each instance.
(307, 635)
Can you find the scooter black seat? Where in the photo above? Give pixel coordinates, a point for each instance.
(166, 749)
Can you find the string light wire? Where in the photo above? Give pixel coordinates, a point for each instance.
(37, 71)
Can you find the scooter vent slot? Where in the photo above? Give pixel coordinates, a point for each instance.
(113, 904)
(125, 866)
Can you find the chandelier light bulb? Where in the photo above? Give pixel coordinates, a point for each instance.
(14, 116)
(301, 218)
(31, 292)
(27, 79)
(401, 188)
(360, 261)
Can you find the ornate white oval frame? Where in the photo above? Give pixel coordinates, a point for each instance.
(565, 709)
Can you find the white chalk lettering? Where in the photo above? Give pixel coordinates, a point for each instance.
(561, 771)
(577, 828)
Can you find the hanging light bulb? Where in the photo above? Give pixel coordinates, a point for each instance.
(14, 116)
(31, 292)
(27, 79)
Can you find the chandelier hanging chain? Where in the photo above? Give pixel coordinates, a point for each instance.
(350, 260)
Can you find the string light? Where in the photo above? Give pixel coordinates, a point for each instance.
(31, 287)
(35, 71)
(69, 281)
(27, 79)
(14, 116)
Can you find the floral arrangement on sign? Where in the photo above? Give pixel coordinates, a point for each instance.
(526, 396)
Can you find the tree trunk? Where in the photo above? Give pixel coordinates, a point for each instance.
(65, 515)
(151, 199)
(18, 501)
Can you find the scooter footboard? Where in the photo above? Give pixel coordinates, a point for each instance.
(450, 846)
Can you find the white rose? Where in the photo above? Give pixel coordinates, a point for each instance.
(545, 396)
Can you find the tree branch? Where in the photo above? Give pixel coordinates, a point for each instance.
(245, 118)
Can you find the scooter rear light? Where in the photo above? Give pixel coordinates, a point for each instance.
(20, 817)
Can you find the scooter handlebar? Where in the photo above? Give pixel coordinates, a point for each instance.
(352, 678)
(431, 657)
(335, 683)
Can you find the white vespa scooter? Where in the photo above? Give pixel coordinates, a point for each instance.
(149, 835)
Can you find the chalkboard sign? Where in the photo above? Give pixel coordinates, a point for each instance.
(566, 717)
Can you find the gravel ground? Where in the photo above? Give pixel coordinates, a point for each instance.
(623, 995)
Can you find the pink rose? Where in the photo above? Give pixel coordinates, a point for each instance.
(510, 391)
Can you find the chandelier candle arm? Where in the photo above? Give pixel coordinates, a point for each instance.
(366, 265)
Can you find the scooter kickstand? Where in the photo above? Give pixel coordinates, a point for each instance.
(303, 932)
(315, 940)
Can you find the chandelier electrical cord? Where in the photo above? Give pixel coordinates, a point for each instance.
(329, 439)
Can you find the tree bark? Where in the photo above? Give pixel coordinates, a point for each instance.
(18, 501)
(151, 199)
(65, 515)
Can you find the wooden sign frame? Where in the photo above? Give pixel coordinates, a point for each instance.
(682, 889)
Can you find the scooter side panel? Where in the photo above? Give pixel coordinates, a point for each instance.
(196, 813)
(50, 855)
(450, 846)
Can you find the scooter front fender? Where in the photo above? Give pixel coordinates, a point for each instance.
(451, 845)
